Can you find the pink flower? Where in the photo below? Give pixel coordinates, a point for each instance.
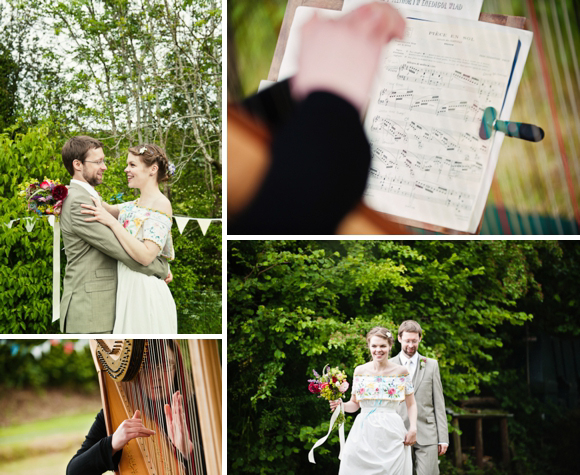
(323, 385)
(126, 223)
(45, 185)
(343, 387)
(314, 388)
(391, 391)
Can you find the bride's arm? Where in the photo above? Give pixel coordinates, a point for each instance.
(411, 436)
(112, 209)
(142, 252)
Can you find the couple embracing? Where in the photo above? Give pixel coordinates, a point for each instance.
(402, 409)
(117, 272)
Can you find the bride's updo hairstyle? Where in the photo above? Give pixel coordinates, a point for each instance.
(152, 154)
(383, 333)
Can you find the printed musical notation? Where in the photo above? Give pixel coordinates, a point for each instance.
(415, 101)
(432, 167)
(455, 79)
(460, 202)
(409, 132)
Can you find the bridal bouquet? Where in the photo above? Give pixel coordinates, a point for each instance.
(331, 386)
(44, 197)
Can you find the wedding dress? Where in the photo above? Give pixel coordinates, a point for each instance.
(145, 303)
(375, 443)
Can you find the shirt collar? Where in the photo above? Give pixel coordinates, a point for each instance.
(86, 186)
(414, 358)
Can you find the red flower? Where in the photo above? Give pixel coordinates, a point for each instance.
(45, 185)
(60, 192)
(314, 388)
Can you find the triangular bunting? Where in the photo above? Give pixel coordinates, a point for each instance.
(51, 220)
(204, 224)
(9, 225)
(29, 223)
(181, 223)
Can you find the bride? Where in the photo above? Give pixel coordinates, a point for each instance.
(143, 227)
(378, 442)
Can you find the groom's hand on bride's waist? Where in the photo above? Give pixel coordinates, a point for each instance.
(169, 278)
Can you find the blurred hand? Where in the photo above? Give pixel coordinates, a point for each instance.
(341, 56)
(176, 424)
(129, 429)
(334, 404)
(169, 278)
(410, 437)
(442, 449)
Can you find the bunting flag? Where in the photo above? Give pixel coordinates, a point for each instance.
(204, 224)
(181, 221)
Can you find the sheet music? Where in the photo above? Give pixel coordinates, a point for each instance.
(428, 162)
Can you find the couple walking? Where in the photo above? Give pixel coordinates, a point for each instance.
(117, 271)
(387, 430)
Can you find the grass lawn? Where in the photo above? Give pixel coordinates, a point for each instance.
(45, 445)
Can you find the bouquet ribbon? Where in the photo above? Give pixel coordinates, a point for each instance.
(55, 268)
(339, 409)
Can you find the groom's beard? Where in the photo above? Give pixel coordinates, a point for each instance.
(93, 180)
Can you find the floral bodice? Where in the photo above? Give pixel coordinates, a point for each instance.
(148, 225)
(390, 388)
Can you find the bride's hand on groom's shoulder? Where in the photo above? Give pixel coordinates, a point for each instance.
(98, 213)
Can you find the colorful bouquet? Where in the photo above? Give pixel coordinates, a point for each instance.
(331, 386)
(44, 198)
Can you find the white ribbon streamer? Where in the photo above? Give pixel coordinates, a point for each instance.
(55, 268)
(339, 410)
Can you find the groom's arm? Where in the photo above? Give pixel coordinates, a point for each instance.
(439, 406)
(102, 238)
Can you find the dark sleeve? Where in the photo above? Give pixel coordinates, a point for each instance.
(320, 162)
(95, 456)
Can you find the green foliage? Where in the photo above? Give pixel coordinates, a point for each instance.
(57, 368)
(295, 306)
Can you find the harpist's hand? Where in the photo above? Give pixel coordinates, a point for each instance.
(341, 56)
(129, 429)
(99, 213)
(410, 437)
(176, 424)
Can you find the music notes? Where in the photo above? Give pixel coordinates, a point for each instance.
(428, 162)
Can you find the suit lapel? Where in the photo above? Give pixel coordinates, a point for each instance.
(419, 373)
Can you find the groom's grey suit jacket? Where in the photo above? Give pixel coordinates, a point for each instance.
(431, 418)
(90, 281)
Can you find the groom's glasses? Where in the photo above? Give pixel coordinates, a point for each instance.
(99, 163)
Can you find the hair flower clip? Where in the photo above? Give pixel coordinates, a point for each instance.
(142, 150)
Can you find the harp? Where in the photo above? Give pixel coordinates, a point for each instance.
(145, 375)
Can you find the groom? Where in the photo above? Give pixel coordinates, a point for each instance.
(92, 250)
(432, 433)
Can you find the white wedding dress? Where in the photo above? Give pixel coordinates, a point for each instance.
(145, 303)
(375, 443)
